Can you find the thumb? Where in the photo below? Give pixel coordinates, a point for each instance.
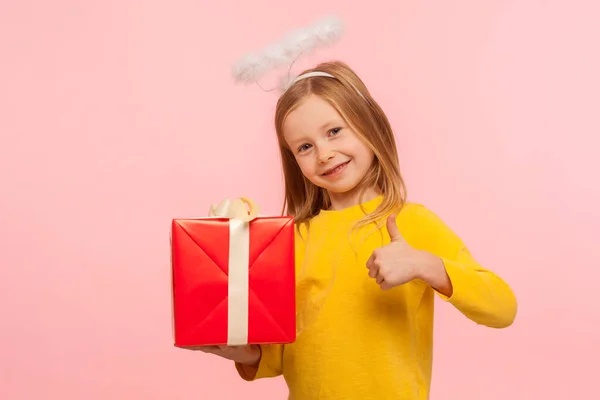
(392, 228)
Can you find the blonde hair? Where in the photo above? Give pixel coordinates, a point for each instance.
(303, 199)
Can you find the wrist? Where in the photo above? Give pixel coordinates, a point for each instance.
(433, 272)
(427, 266)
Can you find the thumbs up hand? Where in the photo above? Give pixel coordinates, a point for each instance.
(398, 262)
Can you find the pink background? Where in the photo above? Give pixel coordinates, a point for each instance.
(116, 116)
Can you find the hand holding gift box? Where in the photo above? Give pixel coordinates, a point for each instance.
(233, 277)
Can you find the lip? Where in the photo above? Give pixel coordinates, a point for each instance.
(327, 173)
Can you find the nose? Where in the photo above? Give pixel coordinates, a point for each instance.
(326, 155)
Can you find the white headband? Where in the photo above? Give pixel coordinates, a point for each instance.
(311, 74)
(320, 73)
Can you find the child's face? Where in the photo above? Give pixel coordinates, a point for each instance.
(328, 151)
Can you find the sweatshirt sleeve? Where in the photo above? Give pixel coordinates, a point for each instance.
(478, 293)
(270, 365)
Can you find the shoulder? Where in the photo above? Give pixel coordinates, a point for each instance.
(301, 227)
(301, 232)
(415, 212)
(423, 227)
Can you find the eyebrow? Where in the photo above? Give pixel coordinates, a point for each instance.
(335, 121)
(295, 143)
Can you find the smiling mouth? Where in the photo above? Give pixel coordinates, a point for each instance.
(335, 169)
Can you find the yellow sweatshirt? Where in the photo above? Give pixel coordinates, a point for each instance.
(358, 342)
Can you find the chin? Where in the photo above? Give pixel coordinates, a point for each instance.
(341, 189)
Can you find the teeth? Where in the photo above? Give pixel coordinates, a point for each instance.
(334, 170)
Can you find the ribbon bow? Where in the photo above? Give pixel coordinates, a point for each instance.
(240, 208)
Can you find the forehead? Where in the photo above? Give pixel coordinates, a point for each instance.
(310, 117)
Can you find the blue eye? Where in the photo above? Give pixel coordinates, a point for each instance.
(335, 131)
(304, 147)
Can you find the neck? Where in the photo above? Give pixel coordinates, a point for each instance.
(339, 201)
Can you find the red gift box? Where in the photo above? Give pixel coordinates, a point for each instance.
(233, 281)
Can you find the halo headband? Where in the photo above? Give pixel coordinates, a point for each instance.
(320, 73)
(299, 42)
(286, 51)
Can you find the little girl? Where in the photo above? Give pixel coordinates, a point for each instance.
(380, 258)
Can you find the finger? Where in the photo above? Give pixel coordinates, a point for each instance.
(379, 279)
(206, 349)
(371, 261)
(385, 286)
(393, 230)
(373, 271)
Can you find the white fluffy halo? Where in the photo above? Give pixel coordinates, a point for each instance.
(254, 66)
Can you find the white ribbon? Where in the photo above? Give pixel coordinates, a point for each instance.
(241, 208)
(239, 259)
